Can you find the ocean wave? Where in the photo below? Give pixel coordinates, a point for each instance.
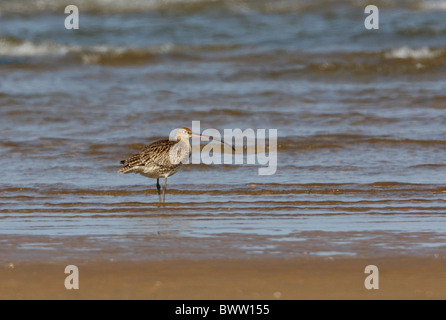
(191, 6)
(413, 53)
(13, 47)
(439, 5)
(99, 54)
(93, 6)
(394, 61)
(341, 141)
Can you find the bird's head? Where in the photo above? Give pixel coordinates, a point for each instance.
(183, 134)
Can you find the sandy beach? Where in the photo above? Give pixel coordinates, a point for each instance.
(253, 279)
(184, 268)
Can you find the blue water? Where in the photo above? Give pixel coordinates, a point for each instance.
(359, 115)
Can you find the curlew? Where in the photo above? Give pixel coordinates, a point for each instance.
(162, 158)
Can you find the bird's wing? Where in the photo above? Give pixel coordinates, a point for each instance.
(155, 154)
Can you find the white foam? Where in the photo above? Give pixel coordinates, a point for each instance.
(413, 53)
(433, 5)
(104, 6)
(10, 47)
(27, 48)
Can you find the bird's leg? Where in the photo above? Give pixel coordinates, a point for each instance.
(158, 187)
(164, 189)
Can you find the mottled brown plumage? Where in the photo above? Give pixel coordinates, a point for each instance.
(162, 158)
(152, 157)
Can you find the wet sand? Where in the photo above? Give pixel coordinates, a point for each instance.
(231, 267)
(298, 278)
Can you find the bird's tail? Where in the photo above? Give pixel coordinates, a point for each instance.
(125, 170)
(126, 167)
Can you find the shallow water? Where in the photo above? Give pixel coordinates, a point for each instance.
(360, 118)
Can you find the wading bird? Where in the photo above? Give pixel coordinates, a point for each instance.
(162, 158)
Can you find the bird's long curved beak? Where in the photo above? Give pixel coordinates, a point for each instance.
(212, 138)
